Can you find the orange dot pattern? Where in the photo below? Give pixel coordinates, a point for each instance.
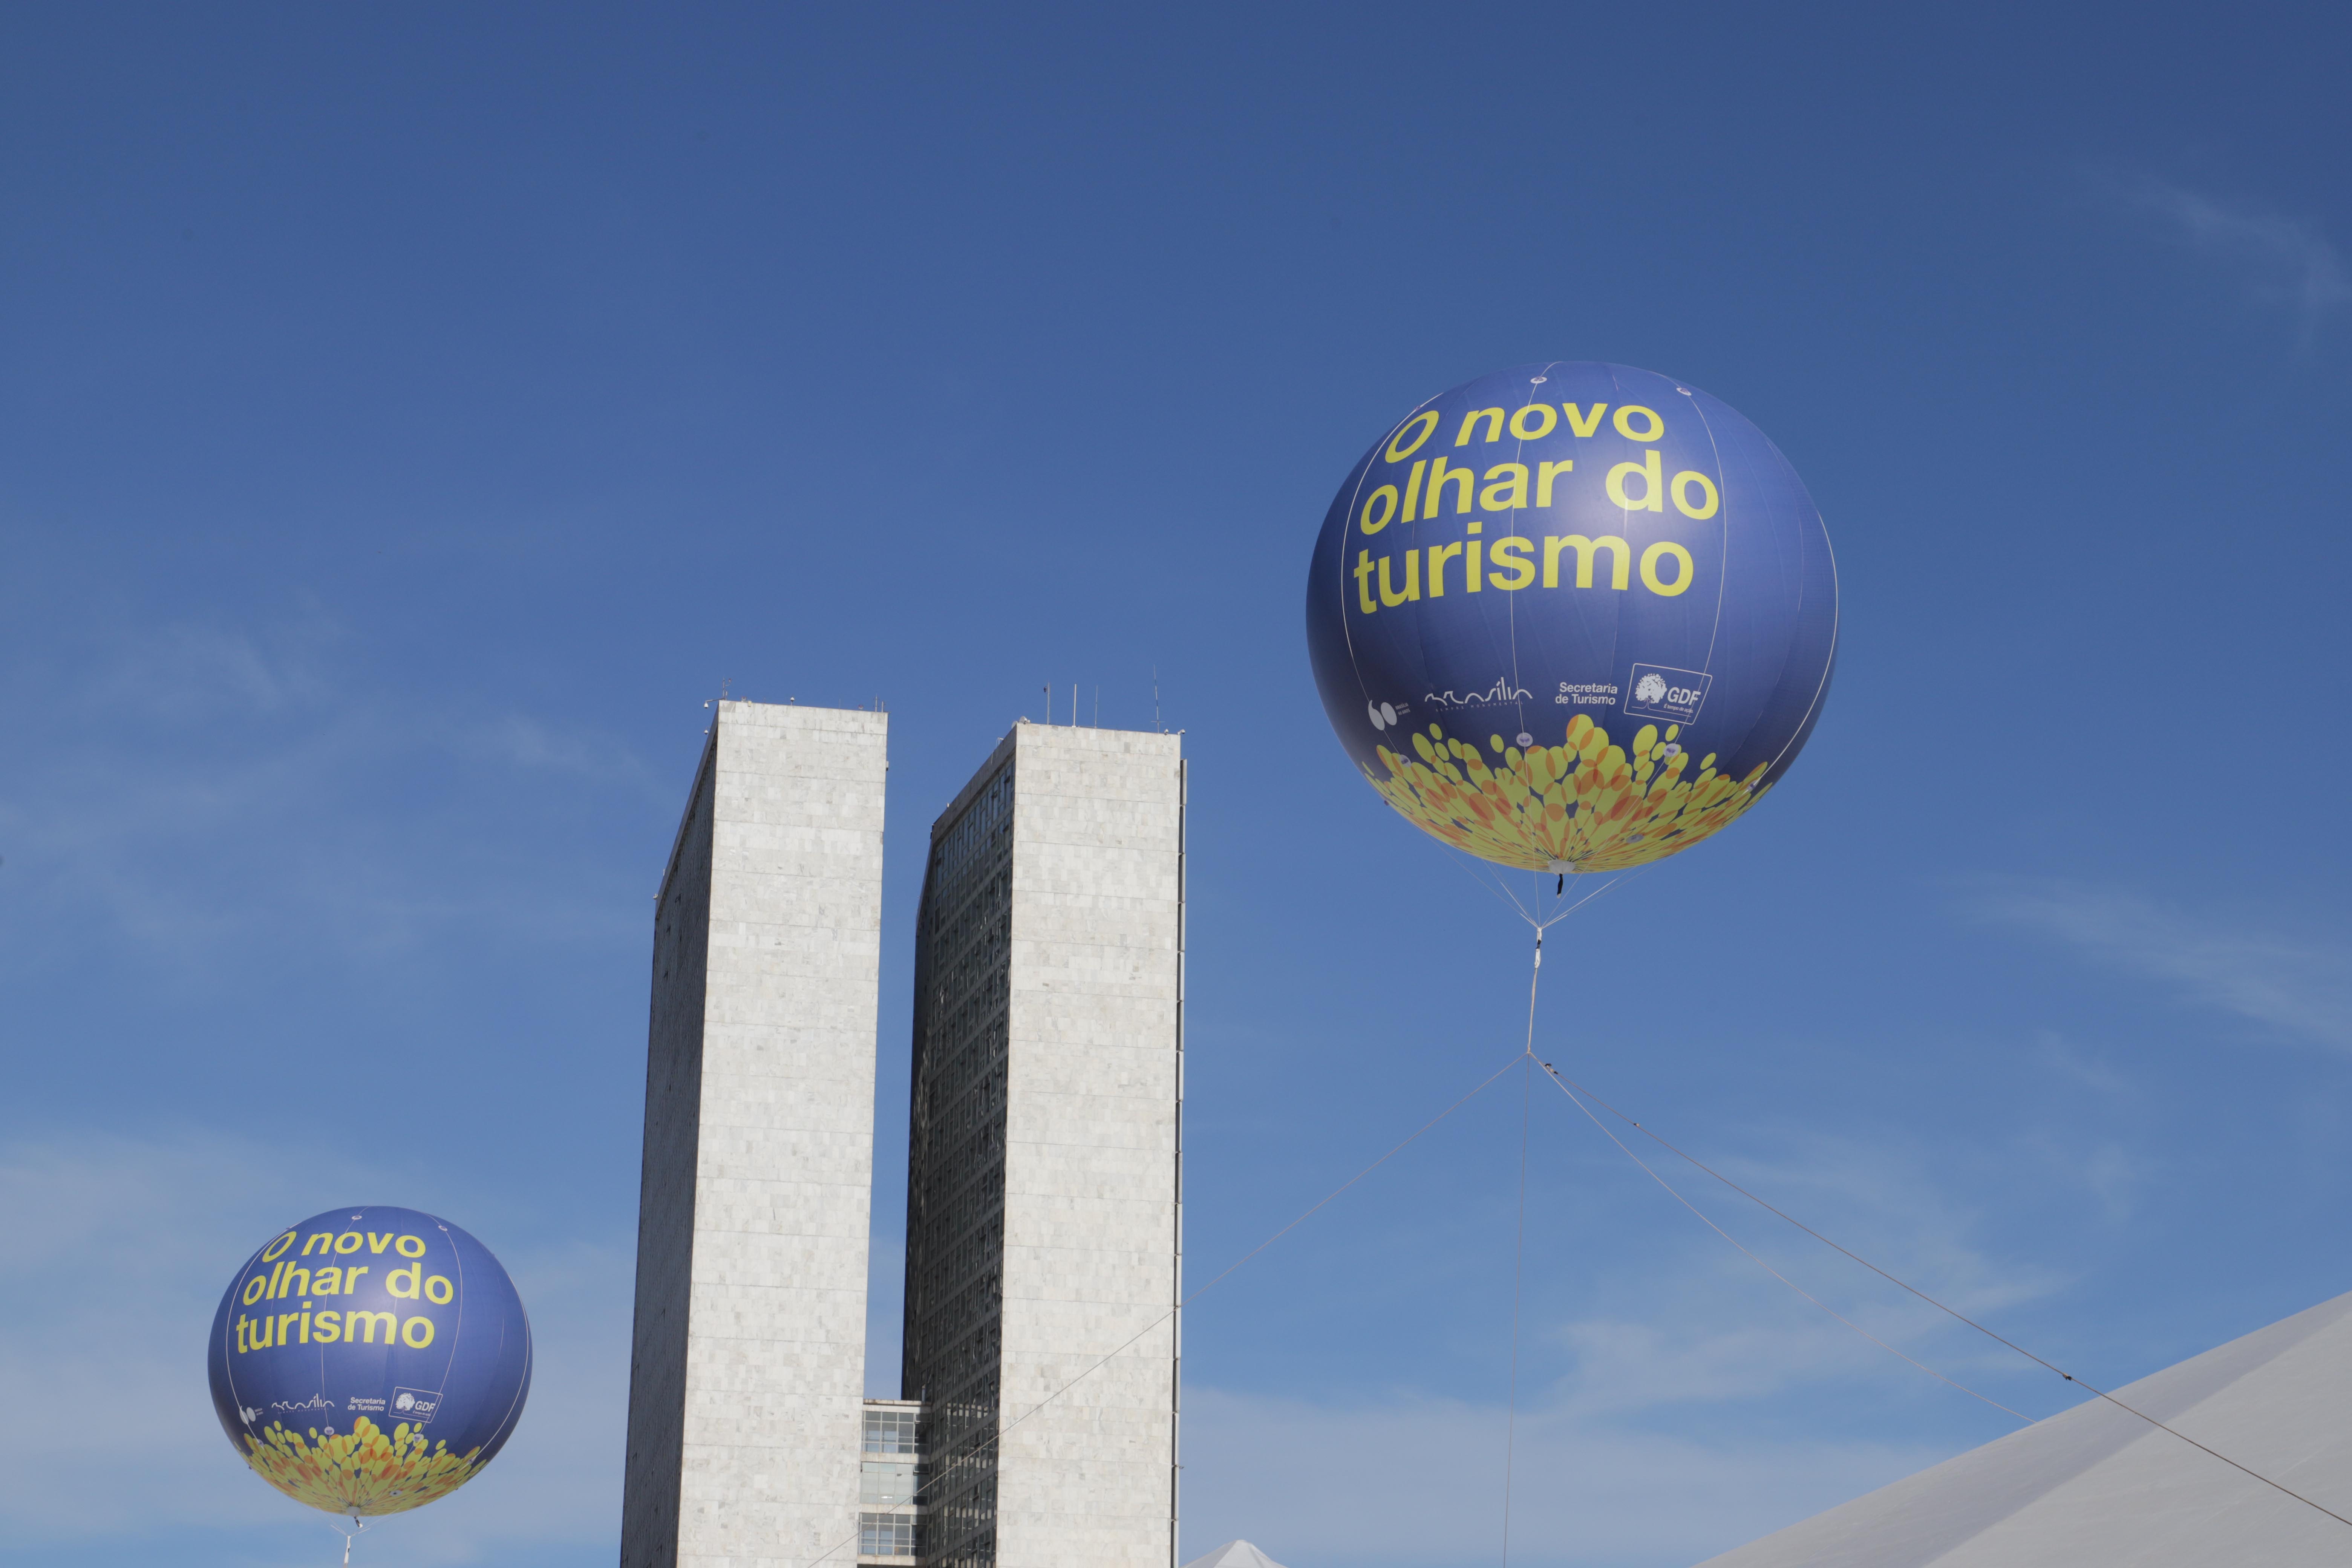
(1585, 805)
(363, 1472)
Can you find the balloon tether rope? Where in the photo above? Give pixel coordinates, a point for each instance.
(1577, 1094)
(359, 1526)
(1540, 924)
(1519, 1249)
(1569, 1088)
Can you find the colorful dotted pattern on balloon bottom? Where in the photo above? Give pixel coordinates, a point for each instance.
(363, 1472)
(1584, 803)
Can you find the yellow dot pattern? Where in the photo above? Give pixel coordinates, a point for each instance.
(363, 1472)
(1587, 803)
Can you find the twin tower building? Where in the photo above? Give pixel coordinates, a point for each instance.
(1036, 1421)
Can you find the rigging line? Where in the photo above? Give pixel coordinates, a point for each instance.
(1580, 903)
(1564, 1082)
(359, 1526)
(998, 1436)
(1722, 578)
(1768, 1269)
(1518, 1274)
(1494, 886)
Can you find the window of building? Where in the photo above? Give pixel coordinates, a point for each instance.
(886, 1535)
(889, 1431)
(880, 1481)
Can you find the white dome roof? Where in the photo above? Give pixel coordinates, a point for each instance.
(1235, 1554)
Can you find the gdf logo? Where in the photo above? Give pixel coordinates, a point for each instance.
(416, 1405)
(1666, 694)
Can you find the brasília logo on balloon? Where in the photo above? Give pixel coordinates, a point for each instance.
(1572, 616)
(370, 1360)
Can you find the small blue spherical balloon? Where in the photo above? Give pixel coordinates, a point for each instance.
(370, 1360)
(1572, 616)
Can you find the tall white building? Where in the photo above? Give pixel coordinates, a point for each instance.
(1038, 1426)
(1043, 1226)
(748, 1360)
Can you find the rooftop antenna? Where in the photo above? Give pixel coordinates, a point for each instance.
(1049, 702)
(1156, 724)
(1097, 723)
(1074, 705)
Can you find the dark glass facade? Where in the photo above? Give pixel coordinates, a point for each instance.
(955, 1175)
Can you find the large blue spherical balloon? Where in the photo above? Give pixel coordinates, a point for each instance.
(370, 1360)
(1572, 616)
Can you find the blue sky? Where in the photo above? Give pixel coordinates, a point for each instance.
(410, 417)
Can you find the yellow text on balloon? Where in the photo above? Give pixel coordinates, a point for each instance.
(1515, 562)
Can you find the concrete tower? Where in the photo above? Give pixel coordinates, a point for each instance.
(1042, 1213)
(747, 1364)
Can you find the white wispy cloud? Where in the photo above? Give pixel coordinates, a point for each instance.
(2282, 260)
(1714, 1328)
(2116, 1175)
(2298, 983)
(525, 743)
(1686, 1401)
(194, 785)
(1421, 1483)
(1631, 1367)
(118, 1249)
(193, 673)
(2065, 1059)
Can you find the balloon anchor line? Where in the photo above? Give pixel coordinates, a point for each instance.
(1535, 977)
(1577, 1095)
(1519, 1249)
(358, 1525)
